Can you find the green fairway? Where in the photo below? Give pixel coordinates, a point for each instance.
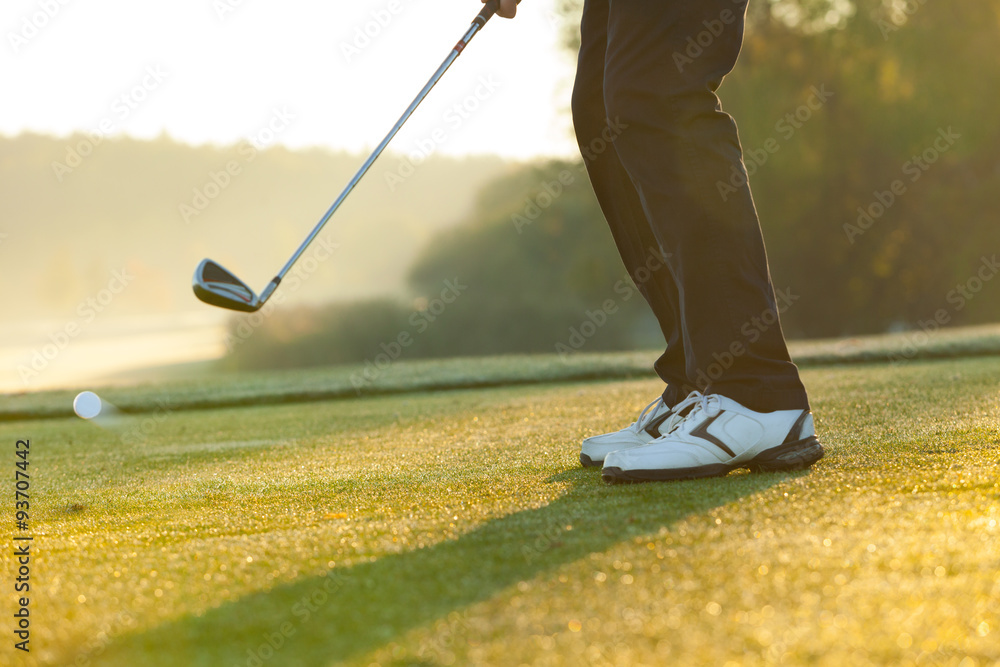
(457, 527)
(217, 389)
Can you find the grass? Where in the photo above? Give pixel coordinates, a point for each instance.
(456, 527)
(213, 389)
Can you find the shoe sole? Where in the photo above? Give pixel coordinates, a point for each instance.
(588, 462)
(792, 456)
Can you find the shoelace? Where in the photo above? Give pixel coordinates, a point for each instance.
(698, 402)
(646, 414)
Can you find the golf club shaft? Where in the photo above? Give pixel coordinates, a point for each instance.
(489, 9)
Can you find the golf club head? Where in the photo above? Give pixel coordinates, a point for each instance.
(218, 287)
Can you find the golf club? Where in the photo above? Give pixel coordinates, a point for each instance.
(216, 286)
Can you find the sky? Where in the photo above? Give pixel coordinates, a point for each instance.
(297, 73)
(293, 72)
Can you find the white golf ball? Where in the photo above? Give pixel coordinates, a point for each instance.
(87, 404)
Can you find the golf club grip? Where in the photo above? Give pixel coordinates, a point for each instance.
(489, 9)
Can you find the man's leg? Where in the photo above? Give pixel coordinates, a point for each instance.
(678, 147)
(639, 248)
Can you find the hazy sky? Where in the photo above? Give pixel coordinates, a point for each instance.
(330, 74)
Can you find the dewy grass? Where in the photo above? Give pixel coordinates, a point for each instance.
(458, 528)
(219, 389)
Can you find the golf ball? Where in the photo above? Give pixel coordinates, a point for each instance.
(87, 404)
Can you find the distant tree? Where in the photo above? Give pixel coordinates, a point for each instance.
(534, 270)
(537, 257)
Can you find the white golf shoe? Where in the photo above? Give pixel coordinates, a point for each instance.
(656, 419)
(716, 436)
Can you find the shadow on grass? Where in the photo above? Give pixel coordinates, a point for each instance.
(356, 609)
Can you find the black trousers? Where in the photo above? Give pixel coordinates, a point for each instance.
(661, 155)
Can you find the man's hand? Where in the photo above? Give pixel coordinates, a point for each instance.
(508, 8)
